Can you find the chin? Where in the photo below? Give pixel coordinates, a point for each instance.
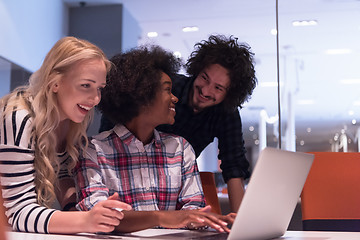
(78, 120)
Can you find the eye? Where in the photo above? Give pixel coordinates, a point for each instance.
(85, 85)
(219, 89)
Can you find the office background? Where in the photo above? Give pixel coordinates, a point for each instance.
(318, 56)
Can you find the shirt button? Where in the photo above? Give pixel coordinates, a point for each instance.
(147, 188)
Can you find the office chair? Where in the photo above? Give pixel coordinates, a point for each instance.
(330, 200)
(210, 192)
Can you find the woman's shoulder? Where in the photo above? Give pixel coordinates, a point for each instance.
(16, 129)
(17, 116)
(170, 138)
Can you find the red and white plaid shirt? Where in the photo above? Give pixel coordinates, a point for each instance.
(162, 175)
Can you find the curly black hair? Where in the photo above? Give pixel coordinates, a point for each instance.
(134, 81)
(236, 58)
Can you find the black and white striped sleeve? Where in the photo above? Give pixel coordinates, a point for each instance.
(17, 175)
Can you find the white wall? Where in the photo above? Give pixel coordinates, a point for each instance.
(29, 28)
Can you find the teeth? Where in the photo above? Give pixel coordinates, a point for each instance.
(172, 109)
(84, 107)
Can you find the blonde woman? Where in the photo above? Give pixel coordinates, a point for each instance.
(42, 127)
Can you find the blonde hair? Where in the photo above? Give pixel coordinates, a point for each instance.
(41, 102)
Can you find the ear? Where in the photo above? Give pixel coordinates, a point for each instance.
(55, 88)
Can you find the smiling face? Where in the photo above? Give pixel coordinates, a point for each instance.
(78, 91)
(210, 87)
(162, 109)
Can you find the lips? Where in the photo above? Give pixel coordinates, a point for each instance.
(87, 108)
(84, 109)
(172, 109)
(201, 97)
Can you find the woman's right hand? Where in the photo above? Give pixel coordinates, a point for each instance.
(105, 215)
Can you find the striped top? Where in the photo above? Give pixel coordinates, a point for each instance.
(17, 175)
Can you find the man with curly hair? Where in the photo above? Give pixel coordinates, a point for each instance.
(154, 172)
(221, 78)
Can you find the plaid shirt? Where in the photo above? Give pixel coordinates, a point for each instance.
(201, 128)
(161, 175)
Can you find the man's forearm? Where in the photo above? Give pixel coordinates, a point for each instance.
(236, 193)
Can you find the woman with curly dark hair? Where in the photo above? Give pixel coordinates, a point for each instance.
(221, 78)
(154, 172)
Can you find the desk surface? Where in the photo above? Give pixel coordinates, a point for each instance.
(159, 234)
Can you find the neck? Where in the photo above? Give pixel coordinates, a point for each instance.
(142, 130)
(61, 133)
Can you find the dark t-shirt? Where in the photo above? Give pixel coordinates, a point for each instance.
(201, 128)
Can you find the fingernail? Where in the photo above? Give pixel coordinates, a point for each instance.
(118, 209)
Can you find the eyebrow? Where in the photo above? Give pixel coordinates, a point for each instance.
(90, 80)
(167, 82)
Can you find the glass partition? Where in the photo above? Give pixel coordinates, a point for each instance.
(319, 49)
(11, 76)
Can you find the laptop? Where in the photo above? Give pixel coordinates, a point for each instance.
(268, 204)
(271, 195)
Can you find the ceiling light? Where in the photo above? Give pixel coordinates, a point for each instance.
(251, 128)
(305, 102)
(351, 112)
(353, 121)
(190, 29)
(338, 51)
(350, 81)
(273, 31)
(302, 142)
(177, 54)
(152, 34)
(303, 23)
(308, 130)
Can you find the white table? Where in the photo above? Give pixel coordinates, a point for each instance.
(158, 234)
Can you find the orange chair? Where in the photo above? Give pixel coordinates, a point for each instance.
(210, 192)
(330, 200)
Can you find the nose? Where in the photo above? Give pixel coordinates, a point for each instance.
(96, 96)
(206, 91)
(174, 99)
